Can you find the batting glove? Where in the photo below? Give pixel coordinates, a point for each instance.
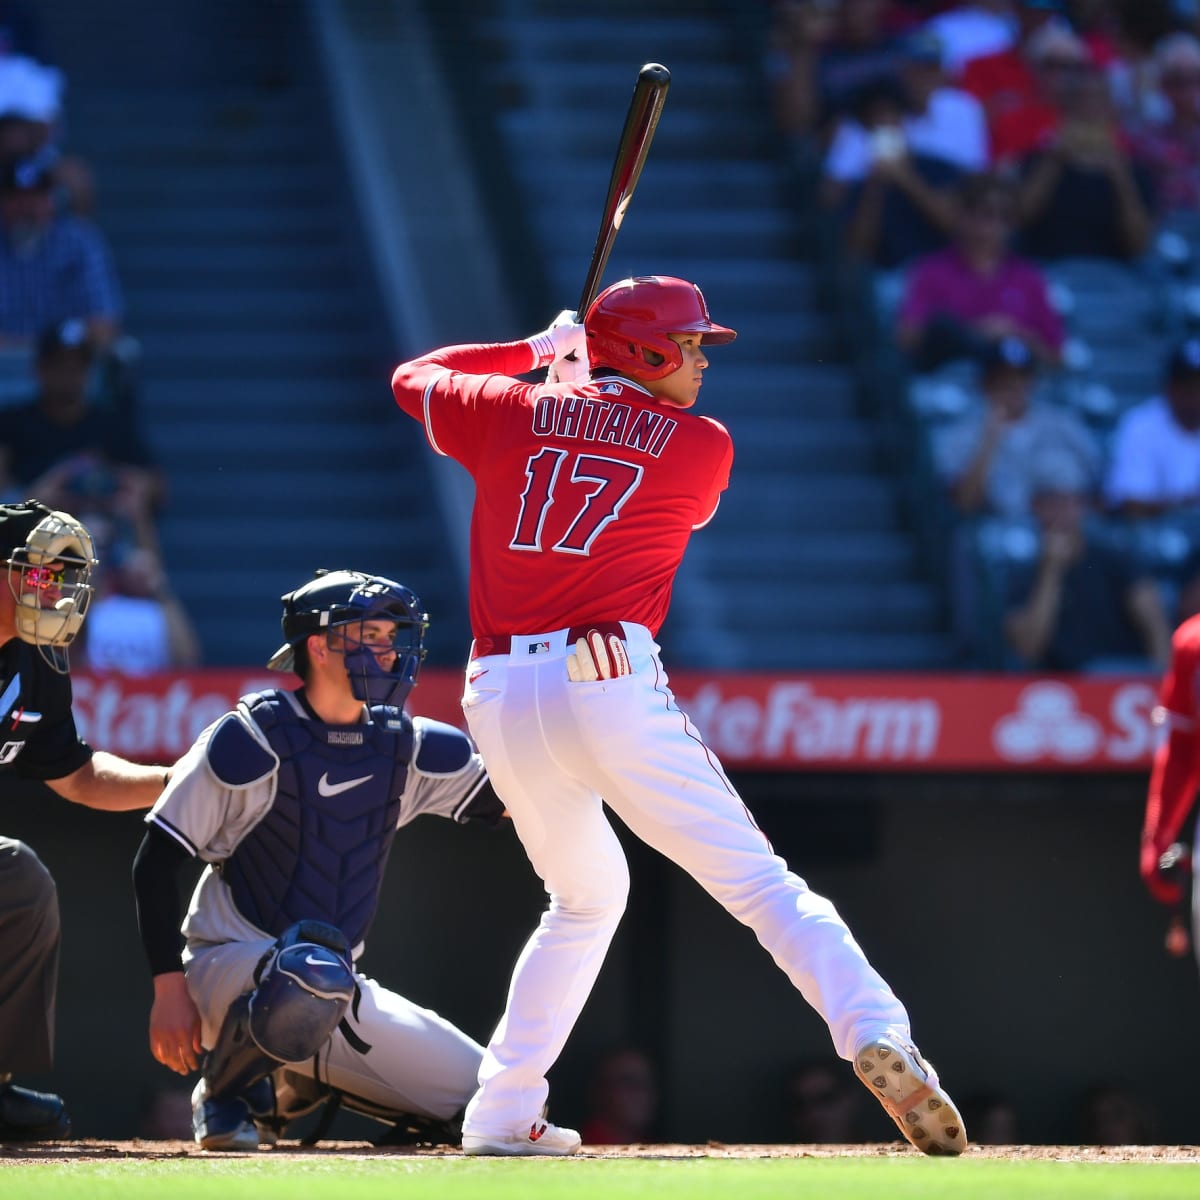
(598, 656)
(1165, 874)
(562, 347)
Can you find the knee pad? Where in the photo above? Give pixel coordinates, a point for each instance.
(305, 985)
(303, 988)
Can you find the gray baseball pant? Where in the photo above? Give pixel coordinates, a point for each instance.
(29, 936)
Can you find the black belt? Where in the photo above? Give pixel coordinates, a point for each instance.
(501, 643)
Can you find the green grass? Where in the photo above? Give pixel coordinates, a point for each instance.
(400, 1178)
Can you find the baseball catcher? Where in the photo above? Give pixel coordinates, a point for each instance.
(292, 801)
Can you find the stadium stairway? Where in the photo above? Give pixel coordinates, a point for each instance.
(266, 363)
(809, 563)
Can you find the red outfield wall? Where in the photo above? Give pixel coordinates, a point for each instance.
(753, 721)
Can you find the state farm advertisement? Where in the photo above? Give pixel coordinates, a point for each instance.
(752, 721)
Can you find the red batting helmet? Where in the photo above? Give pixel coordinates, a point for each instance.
(636, 315)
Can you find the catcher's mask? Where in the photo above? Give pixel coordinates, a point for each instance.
(637, 315)
(341, 601)
(50, 561)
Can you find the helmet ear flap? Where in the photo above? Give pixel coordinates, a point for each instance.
(635, 318)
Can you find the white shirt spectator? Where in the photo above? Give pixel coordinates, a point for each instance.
(1021, 454)
(971, 32)
(1154, 459)
(952, 128)
(130, 634)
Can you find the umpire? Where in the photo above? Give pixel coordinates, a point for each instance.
(48, 559)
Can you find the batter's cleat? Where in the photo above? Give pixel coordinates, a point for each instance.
(28, 1116)
(229, 1124)
(908, 1088)
(540, 1138)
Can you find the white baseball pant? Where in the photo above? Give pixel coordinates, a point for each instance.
(554, 748)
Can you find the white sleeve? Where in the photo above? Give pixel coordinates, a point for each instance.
(849, 157)
(1131, 466)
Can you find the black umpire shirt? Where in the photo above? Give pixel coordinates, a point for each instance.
(38, 738)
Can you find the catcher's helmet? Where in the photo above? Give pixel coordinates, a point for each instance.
(335, 599)
(636, 315)
(51, 603)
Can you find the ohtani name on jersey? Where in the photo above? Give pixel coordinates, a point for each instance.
(603, 421)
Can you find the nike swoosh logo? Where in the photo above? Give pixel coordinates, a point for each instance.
(477, 675)
(336, 789)
(315, 962)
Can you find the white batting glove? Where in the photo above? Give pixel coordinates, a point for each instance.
(598, 656)
(563, 348)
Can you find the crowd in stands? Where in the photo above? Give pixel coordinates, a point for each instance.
(999, 177)
(70, 398)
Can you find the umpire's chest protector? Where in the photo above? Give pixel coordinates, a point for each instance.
(321, 850)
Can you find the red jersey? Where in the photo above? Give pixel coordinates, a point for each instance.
(1018, 116)
(1175, 775)
(585, 494)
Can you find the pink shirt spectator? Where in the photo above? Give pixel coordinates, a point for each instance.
(945, 283)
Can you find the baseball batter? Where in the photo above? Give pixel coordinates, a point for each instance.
(587, 491)
(48, 558)
(292, 801)
(1169, 833)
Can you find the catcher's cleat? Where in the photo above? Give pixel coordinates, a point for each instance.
(908, 1088)
(28, 1116)
(230, 1124)
(539, 1138)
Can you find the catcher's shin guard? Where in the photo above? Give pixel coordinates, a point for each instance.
(304, 988)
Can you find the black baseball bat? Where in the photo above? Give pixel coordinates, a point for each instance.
(649, 95)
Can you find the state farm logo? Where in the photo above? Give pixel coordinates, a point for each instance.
(794, 722)
(1048, 723)
(151, 719)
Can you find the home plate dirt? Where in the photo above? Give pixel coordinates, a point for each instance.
(12, 1154)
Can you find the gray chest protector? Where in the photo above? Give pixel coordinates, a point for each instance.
(320, 852)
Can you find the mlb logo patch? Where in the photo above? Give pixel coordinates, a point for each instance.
(538, 648)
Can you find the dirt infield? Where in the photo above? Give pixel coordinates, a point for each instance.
(74, 1151)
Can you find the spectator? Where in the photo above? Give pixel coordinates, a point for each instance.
(900, 206)
(958, 300)
(947, 122)
(1136, 27)
(1082, 601)
(993, 1118)
(31, 124)
(52, 266)
(67, 447)
(939, 121)
(821, 1108)
(1155, 449)
(136, 625)
(167, 1115)
(988, 457)
(970, 31)
(1170, 148)
(622, 1101)
(1018, 87)
(822, 54)
(1112, 1114)
(1082, 195)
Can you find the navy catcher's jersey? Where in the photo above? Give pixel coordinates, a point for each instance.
(38, 738)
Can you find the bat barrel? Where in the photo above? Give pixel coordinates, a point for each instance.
(645, 108)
